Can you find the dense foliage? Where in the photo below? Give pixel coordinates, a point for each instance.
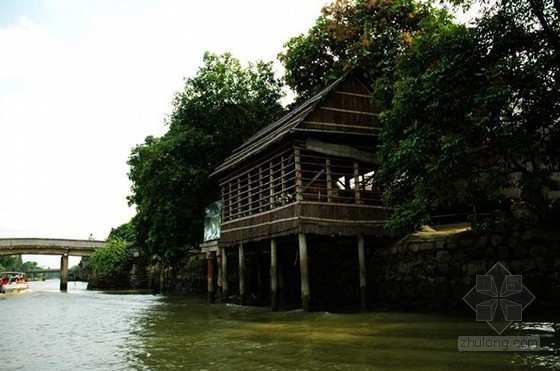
(476, 111)
(466, 112)
(126, 231)
(367, 35)
(15, 263)
(218, 109)
(112, 261)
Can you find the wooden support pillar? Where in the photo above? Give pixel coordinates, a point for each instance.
(239, 203)
(283, 180)
(273, 276)
(271, 190)
(250, 194)
(282, 299)
(357, 195)
(362, 264)
(303, 261)
(64, 272)
(329, 180)
(210, 259)
(220, 275)
(261, 192)
(225, 289)
(299, 181)
(161, 276)
(261, 289)
(241, 274)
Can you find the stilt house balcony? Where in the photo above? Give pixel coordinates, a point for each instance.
(311, 172)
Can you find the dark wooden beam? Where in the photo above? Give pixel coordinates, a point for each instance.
(342, 150)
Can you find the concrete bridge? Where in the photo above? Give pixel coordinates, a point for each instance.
(47, 246)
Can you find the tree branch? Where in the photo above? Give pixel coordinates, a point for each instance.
(550, 34)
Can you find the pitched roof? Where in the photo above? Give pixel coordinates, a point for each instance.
(277, 130)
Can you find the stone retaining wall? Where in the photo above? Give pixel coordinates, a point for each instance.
(435, 270)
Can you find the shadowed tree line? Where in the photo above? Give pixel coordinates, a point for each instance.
(15, 263)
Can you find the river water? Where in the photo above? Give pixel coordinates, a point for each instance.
(45, 329)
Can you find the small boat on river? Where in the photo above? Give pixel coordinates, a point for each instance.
(13, 282)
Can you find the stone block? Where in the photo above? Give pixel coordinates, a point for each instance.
(481, 242)
(443, 269)
(452, 244)
(426, 246)
(513, 241)
(519, 252)
(537, 250)
(543, 264)
(460, 255)
(523, 265)
(467, 242)
(404, 268)
(554, 249)
(489, 252)
(502, 252)
(500, 225)
(528, 235)
(430, 269)
(496, 240)
(476, 267)
(442, 256)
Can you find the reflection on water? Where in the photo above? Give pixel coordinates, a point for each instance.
(49, 330)
(225, 338)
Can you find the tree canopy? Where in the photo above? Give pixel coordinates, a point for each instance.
(475, 111)
(218, 109)
(15, 263)
(112, 261)
(466, 111)
(367, 35)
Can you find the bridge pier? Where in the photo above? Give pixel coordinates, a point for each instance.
(50, 246)
(64, 272)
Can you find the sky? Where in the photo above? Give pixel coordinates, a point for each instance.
(84, 81)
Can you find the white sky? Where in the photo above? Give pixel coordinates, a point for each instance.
(83, 81)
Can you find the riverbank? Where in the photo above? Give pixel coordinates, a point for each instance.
(431, 270)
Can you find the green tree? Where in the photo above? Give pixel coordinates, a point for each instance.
(367, 35)
(218, 109)
(11, 263)
(30, 266)
(473, 107)
(126, 231)
(429, 132)
(112, 261)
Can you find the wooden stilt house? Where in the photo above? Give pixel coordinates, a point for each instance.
(307, 175)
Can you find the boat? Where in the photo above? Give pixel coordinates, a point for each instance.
(13, 282)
